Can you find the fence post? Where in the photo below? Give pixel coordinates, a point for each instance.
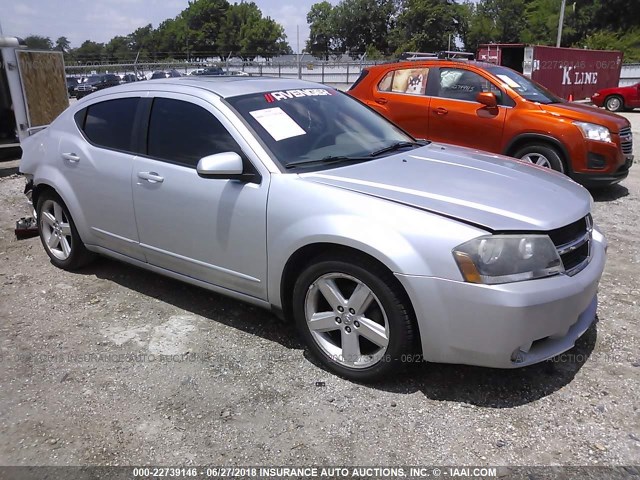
(347, 73)
(322, 72)
(279, 70)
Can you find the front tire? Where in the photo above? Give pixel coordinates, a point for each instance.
(58, 233)
(614, 103)
(355, 317)
(541, 155)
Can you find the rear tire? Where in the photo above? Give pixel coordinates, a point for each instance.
(541, 155)
(58, 233)
(614, 103)
(354, 317)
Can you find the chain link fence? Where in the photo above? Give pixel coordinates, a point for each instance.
(339, 74)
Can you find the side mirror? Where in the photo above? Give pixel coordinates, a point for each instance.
(225, 165)
(487, 99)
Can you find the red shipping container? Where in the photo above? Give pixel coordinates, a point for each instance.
(571, 73)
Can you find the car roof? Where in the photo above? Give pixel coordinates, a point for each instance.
(223, 86)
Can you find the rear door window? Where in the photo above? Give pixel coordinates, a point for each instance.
(109, 124)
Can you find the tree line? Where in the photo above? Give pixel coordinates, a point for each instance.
(379, 28)
(384, 28)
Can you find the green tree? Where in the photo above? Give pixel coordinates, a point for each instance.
(118, 49)
(363, 23)
(236, 18)
(322, 40)
(89, 51)
(425, 25)
(62, 44)
(169, 39)
(246, 33)
(200, 25)
(142, 41)
(628, 42)
(38, 42)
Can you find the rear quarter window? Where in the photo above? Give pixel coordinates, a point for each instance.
(412, 81)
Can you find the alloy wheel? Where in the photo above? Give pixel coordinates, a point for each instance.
(56, 230)
(537, 159)
(346, 320)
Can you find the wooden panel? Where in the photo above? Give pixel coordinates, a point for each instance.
(44, 85)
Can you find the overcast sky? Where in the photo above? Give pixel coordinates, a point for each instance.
(81, 20)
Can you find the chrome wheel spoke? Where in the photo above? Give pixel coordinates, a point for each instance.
(48, 219)
(52, 240)
(331, 293)
(66, 247)
(65, 228)
(373, 332)
(350, 347)
(57, 212)
(323, 322)
(360, 299)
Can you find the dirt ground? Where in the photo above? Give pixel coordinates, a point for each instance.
(112, 365)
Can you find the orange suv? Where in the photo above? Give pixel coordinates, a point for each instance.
(496, 109)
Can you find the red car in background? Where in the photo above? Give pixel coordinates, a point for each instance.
(617, 99)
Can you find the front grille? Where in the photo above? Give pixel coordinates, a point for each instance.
(573, 243)
(626, 140)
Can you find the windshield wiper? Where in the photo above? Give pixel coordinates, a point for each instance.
(326, 161)
(398, 146)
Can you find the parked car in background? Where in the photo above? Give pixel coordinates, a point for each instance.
(165, 74)
(617, 99)
(72, 83)
(493, 108)
(295, 197)
(215, 70)
(93, 83)
(128, 78)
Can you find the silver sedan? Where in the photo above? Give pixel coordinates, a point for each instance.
(297, 198)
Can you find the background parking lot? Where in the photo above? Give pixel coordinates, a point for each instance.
(112, 365)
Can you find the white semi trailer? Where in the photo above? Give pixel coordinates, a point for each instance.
(32, 90)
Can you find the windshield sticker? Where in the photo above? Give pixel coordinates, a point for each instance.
(287, 94)
(508, 81)
(277, 123)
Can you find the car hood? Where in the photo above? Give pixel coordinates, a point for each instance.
(492, 191)
(587, 113)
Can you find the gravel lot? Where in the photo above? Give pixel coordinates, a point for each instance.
(115, 366)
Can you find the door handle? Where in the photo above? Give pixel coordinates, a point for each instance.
(151, 177)
(381, 101)
(72, 157)
(441, 111)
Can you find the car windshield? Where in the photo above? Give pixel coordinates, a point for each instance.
(528, 89)
(316, 128)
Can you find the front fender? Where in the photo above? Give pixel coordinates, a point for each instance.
(405, 239)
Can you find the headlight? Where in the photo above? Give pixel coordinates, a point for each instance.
(593, 131)
(496, 259)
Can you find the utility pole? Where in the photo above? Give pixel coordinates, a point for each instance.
(560, 22)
